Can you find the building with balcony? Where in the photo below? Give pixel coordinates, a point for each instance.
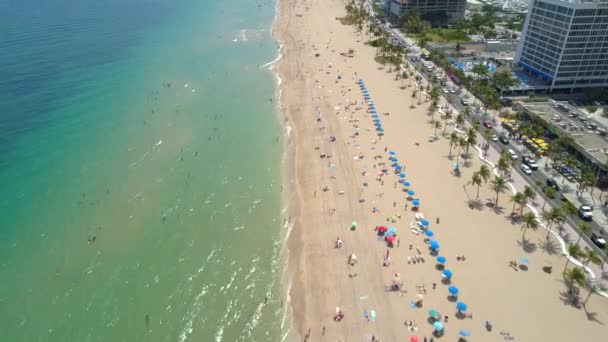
(564, 44)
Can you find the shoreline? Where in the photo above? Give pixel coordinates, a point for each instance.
(288, 206)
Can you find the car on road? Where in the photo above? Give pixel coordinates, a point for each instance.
(553, 184)
(464, 102)
(487, 124)
(504, 139)
(598, 240)
(585, 212)
(494, 138)
(452, 91)
(532, 164)
(512, 154)
(525, 169)
(443, 83)
(444, 90)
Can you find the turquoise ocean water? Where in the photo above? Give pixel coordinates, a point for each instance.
(140, 184)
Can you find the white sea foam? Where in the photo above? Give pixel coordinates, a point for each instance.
(274, 61)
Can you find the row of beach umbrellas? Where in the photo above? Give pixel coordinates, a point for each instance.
(371, 108)
(434, 246)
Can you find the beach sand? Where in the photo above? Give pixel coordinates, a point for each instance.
(531, 305)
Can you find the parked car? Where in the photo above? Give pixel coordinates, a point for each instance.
(585, 212)
(452, 91)
(444, 90)
(487, 124)
(525, 169)
(553, 184)
(598, 240)
(464, 102)
(504, 139)
(494, 138)
(512, 154)
(443, 83)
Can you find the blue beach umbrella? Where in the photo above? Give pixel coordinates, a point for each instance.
(375, 116)
(411, 192)
(379, 129)
(435, 245)
(461, 306)
(441, 259)
(416, 203)
(438, 326)
(376, 120)
(453, 290)
(465, 333)
(392, 153)
(523, 260)
(402, 175)
(398, 167)
(429, 233)
(447, 273)
(391, 231)
(378, 124)
(394, 159)
(406, 183)
(425, 222)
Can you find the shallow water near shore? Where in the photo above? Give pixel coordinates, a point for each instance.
(140, 170)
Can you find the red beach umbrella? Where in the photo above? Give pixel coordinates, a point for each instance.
(414, 339)
(391, 239)
(382, 229)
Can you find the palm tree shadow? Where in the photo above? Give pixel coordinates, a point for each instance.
(498, 209)
(549, 246)
(527, 246)
(605, 275)
(592, 316)
(567, 299)
(475, 204)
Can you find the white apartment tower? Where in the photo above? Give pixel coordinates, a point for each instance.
(565, 42)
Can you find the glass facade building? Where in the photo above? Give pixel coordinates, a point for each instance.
(438, 12)
(565, 43)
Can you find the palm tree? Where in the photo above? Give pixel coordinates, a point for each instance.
(575, 276)
(504, 165)
(485, 173)
(480, 70)
(460, 120)
(471, 140)
(530, 222)
(453, 142)
(487, 135)
(530, 193)
(498, 185)
(551, 217)
(413, 98)
(477, 180)
(592, 256)
(583, 228)
(517, 199)
(503, 79)
(595, 288)
(574, 251)
(436, 125)
(462, 143)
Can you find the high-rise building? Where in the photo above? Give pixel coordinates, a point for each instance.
(565, 43)
(438, 12)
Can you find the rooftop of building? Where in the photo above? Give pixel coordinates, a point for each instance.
(588, 134)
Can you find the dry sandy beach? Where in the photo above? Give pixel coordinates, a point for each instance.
(317, 78)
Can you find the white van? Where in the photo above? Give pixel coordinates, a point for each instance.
(512, 153)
